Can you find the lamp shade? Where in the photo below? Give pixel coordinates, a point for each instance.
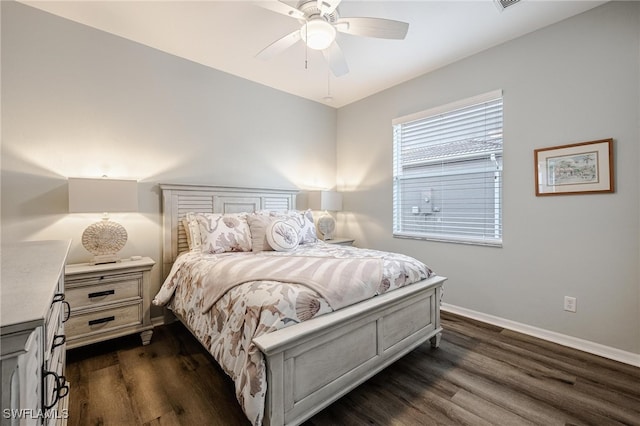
(102, 195)
(325, 200)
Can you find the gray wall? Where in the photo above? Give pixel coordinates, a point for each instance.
(578, 80)
(77, 102)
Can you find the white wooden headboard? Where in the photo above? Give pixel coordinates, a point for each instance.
(177, 200)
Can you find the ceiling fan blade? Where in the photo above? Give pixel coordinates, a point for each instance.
(279, 46)
(373, 27)
(334, 56)
(327, 7)
(281, 8)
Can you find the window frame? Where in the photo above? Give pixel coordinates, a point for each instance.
(399, 227)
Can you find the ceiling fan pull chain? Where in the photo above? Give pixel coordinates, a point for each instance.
(306, 50)
(328, 98)
(328, 78)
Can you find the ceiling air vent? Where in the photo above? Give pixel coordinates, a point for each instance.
(503, 4)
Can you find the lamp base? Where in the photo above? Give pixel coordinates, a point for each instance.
(327, 226)
(103, 240)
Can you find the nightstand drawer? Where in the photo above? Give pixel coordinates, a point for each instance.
(97, 291)
(103, 320)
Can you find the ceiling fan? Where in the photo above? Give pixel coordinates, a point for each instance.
(320, 21)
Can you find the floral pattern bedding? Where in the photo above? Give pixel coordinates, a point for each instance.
(258, 307)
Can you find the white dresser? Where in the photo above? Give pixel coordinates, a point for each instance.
(32, 315)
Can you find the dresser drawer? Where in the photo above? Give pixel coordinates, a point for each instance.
(101, 290)
(53, 324)
(55, 386)
(103, 320)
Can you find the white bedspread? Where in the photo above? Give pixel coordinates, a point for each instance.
(254, 308)
(341, 281)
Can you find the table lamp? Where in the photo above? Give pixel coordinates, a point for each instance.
(106, 238)
(327, 201)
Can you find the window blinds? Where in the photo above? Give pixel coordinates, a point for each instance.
(448, 172)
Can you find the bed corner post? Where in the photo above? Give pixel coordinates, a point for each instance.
(435, 340)
(274, 402)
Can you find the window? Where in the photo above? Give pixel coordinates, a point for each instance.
(447, 172)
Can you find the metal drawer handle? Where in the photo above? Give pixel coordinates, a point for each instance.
(60, 390)
(102, 320)
(101, 293)
(58, 340)
(63, 388)
(67, 312)
(58, 297)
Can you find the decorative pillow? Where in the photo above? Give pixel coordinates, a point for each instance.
(308, 229)
(258, 224)
(282, 235)
(305, 222)
(221, 233)
(192, 230)
(304, 219)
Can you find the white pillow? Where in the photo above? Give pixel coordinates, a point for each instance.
(283, 235)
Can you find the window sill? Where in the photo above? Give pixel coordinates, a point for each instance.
(450, 239)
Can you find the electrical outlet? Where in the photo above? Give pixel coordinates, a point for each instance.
(570, 303)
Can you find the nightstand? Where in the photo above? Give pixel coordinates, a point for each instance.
(108, 300)
(341, 241)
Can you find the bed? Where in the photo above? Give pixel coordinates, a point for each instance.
(313, 361)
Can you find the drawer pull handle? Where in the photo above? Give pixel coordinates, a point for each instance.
(60, 389)
(101, 293)
(67, 312)
(102, 320)
(58, 297)
(58, 340)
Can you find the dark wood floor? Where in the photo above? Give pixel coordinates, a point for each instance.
(480, 375)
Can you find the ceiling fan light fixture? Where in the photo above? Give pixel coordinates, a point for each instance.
(318, 34)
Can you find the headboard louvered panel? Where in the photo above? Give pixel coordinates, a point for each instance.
(178, 200)
(277, 203)
(185, 203)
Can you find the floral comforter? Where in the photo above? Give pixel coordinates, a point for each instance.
(258, 307)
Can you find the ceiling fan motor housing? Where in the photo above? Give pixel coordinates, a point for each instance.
(318, 31)
(311, 11)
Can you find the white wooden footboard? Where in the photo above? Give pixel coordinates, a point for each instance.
(316, 362)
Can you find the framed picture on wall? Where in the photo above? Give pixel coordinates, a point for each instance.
(580, 168)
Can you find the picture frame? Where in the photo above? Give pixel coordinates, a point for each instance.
(579, 168)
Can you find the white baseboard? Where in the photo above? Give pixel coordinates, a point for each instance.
(562, 339)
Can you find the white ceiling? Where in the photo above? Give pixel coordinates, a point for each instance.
(226, 35)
